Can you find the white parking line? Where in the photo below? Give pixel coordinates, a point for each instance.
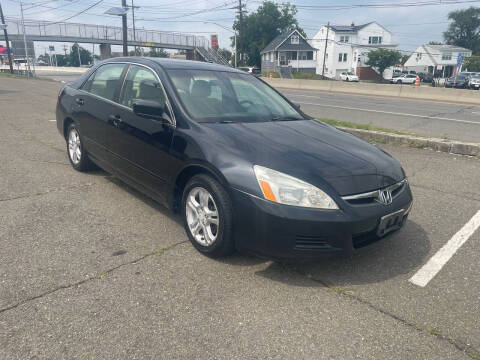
(428, 271)
(388, 112)
(52, 120)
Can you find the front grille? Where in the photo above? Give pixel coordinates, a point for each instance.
(312, 243)
(373, 196)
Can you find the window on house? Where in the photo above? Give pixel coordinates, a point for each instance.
(309, 55)
(295, 39)
(345, 57)
(340, 57)
(447, 56)
(344, 39)
(375, 40)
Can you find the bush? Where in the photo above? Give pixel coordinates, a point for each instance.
(307, 76)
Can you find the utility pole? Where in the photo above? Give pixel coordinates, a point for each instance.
(79, 58)
(240, 13)
(25, 41)
(325, 51)
(133, 21)
(124, 28)
(10, 62)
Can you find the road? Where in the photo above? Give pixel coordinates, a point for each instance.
(62, 76)
(428, 118)
(90, 268)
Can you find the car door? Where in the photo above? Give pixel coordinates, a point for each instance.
(93, 104)
(140, 145)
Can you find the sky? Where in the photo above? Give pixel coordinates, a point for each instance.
(411, 25)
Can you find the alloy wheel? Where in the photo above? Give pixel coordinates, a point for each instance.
(202, 216)
(74, 146)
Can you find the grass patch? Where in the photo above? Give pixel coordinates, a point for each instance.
(474, 356)
(434, 331)
(351, 125)
(14, 76)
(306, 76)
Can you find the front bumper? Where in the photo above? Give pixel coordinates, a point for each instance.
(289, 233)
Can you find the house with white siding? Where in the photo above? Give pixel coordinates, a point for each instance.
(437, 60)
(346, 48)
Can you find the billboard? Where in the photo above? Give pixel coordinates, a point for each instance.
(214, 41)
(18, 49)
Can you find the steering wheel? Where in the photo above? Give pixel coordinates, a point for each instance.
(247, 101)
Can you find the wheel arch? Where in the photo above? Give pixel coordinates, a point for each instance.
(186, 173)
(66, 124)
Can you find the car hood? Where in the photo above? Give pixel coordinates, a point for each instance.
(311, 151)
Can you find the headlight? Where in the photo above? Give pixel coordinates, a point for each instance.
(285, 189)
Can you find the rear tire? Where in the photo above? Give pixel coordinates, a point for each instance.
(208, 216)
(75, 151)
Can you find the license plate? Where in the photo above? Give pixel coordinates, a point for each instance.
(390, 222)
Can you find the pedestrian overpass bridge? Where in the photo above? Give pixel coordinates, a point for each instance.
(111, 35)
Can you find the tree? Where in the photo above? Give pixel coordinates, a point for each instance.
(404, 59)
(85, 56)
(158, 52)
(382, 59)
(262, 26)
(472, 63)
(464, 31)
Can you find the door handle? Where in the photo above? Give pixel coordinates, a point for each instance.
(115, 119)
(79, 101)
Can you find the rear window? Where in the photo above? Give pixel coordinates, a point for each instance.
(256, 71)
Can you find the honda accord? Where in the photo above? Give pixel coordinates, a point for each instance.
(245, 167)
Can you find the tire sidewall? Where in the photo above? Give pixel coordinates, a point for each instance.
(223, 241)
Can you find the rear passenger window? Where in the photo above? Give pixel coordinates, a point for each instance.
(105, 81)
(141, 84)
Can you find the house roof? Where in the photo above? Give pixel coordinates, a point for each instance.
(352, 28)
(447, 48)
(279, 39)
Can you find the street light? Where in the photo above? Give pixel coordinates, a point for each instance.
(121, 11)
(230, 30)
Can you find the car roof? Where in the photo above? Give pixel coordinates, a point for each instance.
(177, 64)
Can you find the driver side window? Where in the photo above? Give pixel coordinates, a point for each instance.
(141, 84)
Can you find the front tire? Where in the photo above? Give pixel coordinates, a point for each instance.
(207, 216)
(75, 151)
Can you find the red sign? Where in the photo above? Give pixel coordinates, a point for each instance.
(214, 41)
(3, 50)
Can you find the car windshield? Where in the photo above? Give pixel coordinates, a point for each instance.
(350, 73)
(476, 77)
(220, 96)
(256, 71)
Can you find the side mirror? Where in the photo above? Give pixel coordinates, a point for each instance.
(149, 109)
(296, 106)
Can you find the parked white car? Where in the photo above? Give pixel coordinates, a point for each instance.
(404, 79)
(474, 82)
(348, 76)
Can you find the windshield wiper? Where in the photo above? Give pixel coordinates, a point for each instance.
(284, 118)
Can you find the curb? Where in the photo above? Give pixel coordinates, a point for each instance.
(442, 145)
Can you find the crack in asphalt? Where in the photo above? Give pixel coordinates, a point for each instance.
(101, 276)
(467, 349)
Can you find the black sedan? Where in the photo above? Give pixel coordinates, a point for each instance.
(461, 82)
(244, 166)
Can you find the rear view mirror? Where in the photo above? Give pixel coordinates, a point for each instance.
(149, 109)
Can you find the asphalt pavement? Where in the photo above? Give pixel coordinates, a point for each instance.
(90, 268)
(429, 118)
